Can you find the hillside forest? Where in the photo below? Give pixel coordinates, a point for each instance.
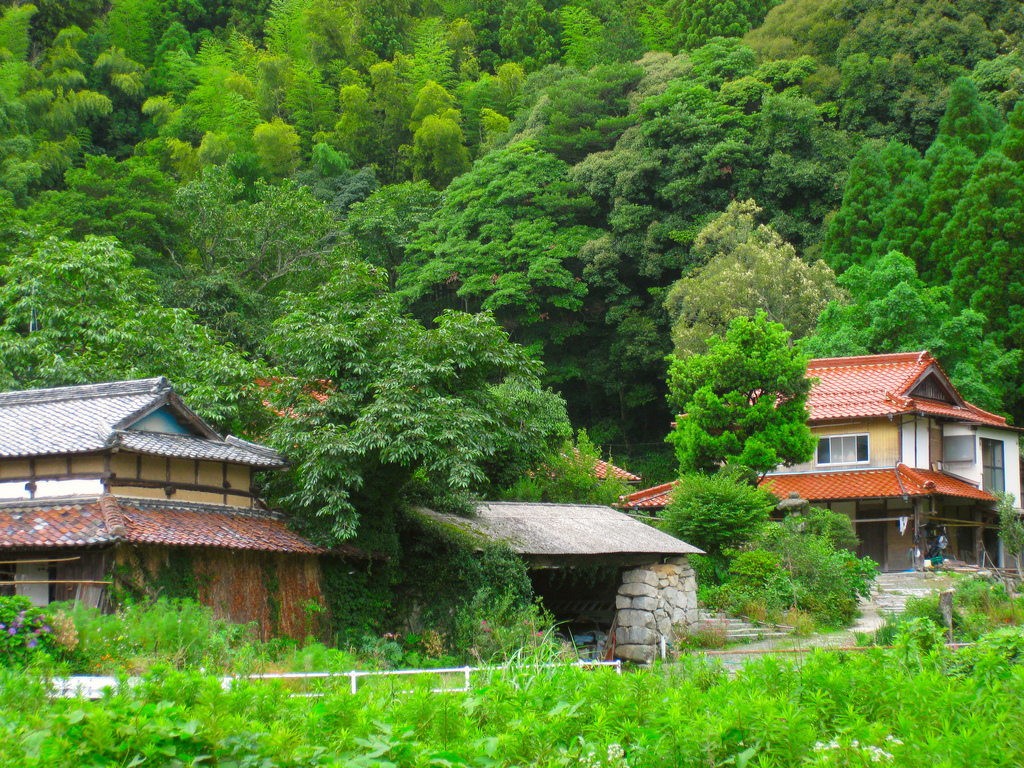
(484, 223)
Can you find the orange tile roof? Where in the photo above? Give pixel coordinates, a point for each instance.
(871, 484)
(878, 385)
(69, 522)
(602, 468)
(650, 499)
(834, 486)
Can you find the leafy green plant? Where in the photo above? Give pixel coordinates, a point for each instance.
(177, 632)
(716, 512)
(26, 632)
(569, 476)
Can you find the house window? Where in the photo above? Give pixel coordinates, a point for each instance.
(993, 471)
(843, 449)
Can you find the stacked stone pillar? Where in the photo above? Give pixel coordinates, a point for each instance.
(652, 600)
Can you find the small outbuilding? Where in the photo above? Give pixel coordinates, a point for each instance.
(653, 589)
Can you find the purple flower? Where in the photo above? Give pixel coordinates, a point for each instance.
(46, 629)
(12, 631)
(32, 642)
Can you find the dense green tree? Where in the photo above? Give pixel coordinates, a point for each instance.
(984, 239)
(382, 227)
(397, 401)
(743, 402)
(750, 269)
(131, 200)
(79, 312)
(875, 173)
(506, 238)
(717, 512)
(888, 63)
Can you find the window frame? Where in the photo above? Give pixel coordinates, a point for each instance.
(830, 438)
(996, 470)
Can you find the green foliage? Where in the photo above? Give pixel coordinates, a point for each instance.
(825, 708)
(396, 398)
(569, 476)
(26, 632)
(505, 239)
(896, 83)
(717, 512)
(74, 313)
(747, 268)
(1011, 529)
(179, 632)
(825, 581)
(743, 402)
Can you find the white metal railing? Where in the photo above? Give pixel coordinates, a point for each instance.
(93, 687)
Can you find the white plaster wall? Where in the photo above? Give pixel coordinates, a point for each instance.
(922, 460)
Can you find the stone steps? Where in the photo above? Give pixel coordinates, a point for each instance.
(892, 590)
(741, 630)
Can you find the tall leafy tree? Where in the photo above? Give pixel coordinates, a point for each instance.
(744, 402)
(506, 239)
(395, 401)
(750, 269)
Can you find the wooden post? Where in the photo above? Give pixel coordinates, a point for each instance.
(946, 606)
(918, 546)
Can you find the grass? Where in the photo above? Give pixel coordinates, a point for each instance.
(912, 706)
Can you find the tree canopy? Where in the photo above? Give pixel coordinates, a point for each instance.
(743, 402)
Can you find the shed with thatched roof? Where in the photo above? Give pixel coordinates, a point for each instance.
(654, 592)
(560, 535)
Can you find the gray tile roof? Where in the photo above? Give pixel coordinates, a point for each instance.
(93, 417)
(533, 529)
(188, 447)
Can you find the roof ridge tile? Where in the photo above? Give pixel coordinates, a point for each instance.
(155, 385)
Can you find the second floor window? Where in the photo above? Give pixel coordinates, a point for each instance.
(843, 449)
(993, 470)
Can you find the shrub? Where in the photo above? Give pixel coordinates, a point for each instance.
(26, 632)
(717, 512)
(567, 476)
(758, 585)
(792, 566)
(178, 632)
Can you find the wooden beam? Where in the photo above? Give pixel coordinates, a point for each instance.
(211, 489)
(50, 560)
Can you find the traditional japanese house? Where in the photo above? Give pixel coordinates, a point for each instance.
(121, 486)
(903, 455)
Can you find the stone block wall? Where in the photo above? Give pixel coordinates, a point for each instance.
(651, 601)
